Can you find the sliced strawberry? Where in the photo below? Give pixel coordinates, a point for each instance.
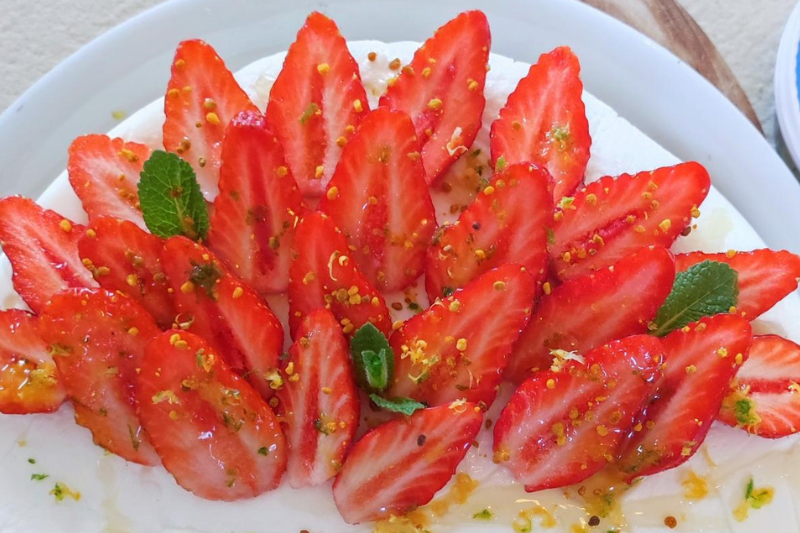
(507, 223)
(43, 249)
(765, 277)
(702, 358)
(613, 217)
(324, 275)
(229, 314)
(252, 225)
(316, 102)
(400, 465)
(213, 432)
(459, 348)
(202, 98)
(584, 313)
(544, 122)
(29, 380)
(763, 398)
(97, 339)
(125, 258)
(379, 199)
(104, 173)
(442, 90)
(318, 401)
(560, 427)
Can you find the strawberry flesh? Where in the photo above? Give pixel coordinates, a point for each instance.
(324, 275)
(612, 217)
(318, 401)
(507, 223)
(43, 249)
(29, 380)
(379, 199)
(544, 122)
(213, 432)
(202, 98)
(458, 348)
(98, 339)
(252, 224)
(316, 103)
(586, 312)
(123, 257)
(765, 276)
(442, 90)
(104, 173)
(561, 426)
(230, 315)
(763, 398)
(401, 464)
(702, 359)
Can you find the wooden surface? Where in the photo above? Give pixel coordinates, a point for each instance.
(667, 23)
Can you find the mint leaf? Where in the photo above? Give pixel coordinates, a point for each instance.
(373, 359)
(705, 289)
(170, 196)
(407, 406)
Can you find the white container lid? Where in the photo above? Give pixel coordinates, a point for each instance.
(787, 86)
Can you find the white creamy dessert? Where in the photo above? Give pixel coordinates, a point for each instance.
(121, 497)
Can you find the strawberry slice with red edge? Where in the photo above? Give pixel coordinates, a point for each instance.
(442, 90)
(229, 314)
(324, 274)
(702, 359)
(318, 402)
(43, 249)
(401, 464)
(202, 98)
(378, 197)
(587, 312)
(459, 347)
(316, 103)
(506, 223)
(258, 206)
(213, 432)
(612, 217)
(97, 339)
(123, 257)
(763, 397)
(544, 122)
(765, 276)
(29, 380)
(104, 173)
(562, 426)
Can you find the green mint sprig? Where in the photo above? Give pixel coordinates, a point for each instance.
(170, 197)
(705, 289)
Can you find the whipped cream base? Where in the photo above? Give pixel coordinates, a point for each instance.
(120, 497)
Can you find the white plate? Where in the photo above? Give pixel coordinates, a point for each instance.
(129, 67)
(787, 82)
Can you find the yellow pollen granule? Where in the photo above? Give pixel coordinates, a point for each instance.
(461, 344)
(435, 103)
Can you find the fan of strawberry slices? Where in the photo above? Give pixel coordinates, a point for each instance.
(151, 320)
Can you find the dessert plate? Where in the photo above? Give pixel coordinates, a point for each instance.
(673, 140)
(129, 67)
